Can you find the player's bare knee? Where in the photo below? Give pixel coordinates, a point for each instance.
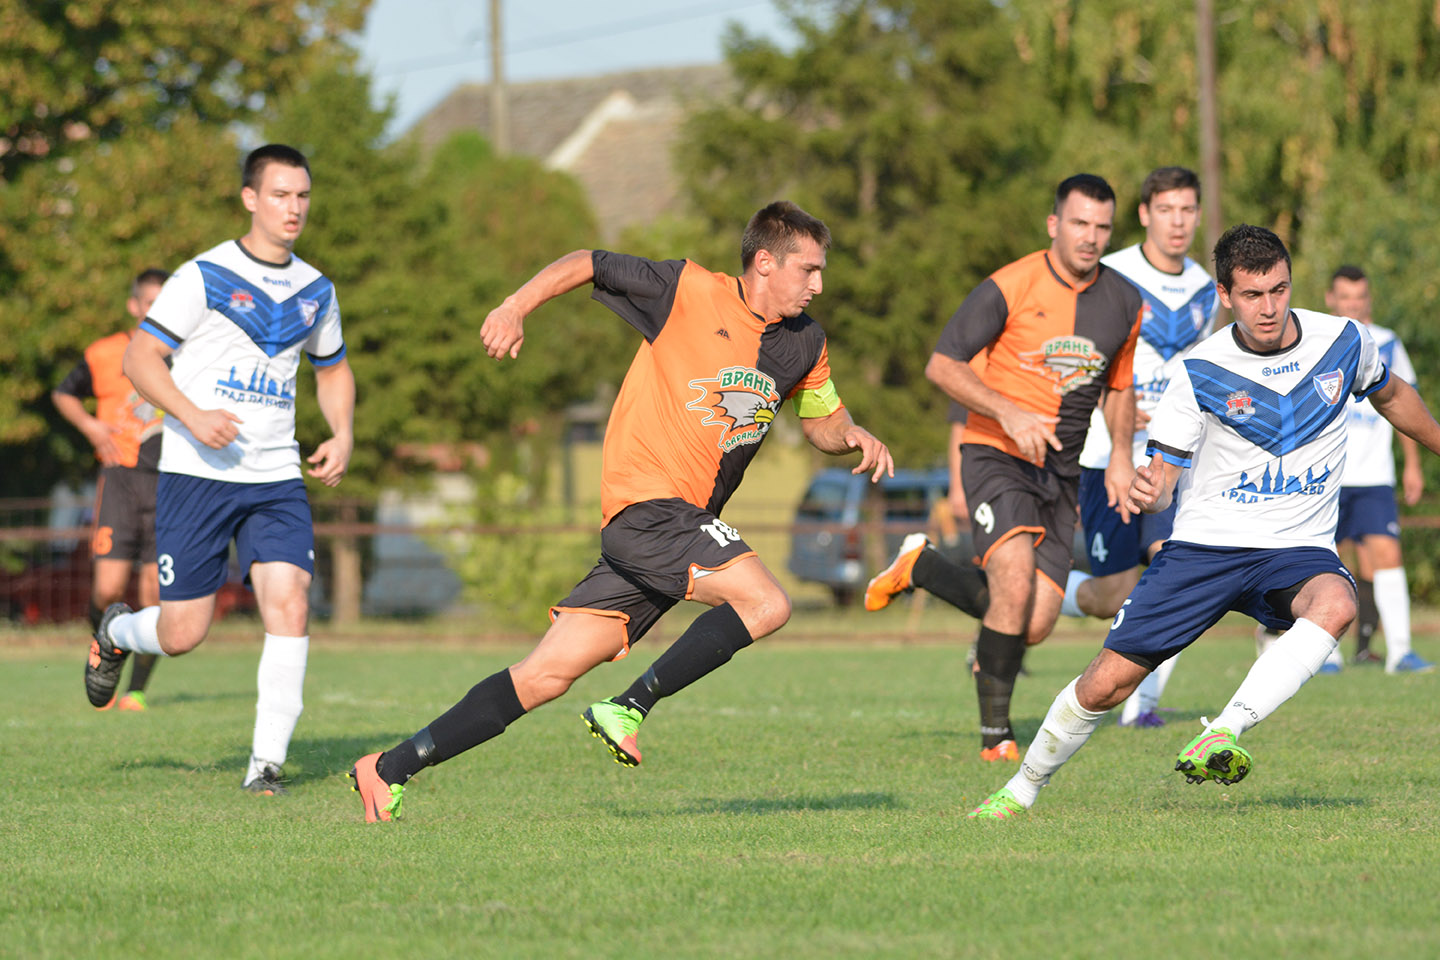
(765, 612)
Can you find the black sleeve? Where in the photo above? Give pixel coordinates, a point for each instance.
(976, 324)
(640, 291)
(79, 383)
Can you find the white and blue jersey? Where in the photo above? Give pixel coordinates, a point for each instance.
(237, 326)
(1178, 311)
(1263, 435)
(1370, 461)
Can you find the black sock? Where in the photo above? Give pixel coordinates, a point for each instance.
(95, 614)
(709, 642)
(998, 655)
(483, 713)
(1368, 617)
(961, 585)
(140, 673)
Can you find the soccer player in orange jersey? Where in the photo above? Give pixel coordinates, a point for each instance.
(1057, 331)
(719, 357)
(125, 432)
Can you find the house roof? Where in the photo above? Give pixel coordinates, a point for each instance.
(613, 132)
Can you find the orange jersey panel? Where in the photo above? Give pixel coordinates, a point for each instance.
(116, 401)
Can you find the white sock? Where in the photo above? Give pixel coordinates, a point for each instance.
(1069, 606)
(1276, 676)
(1065, 729)
(137, 632)
(280, 680)
(1147, 696)
(1336, 659)
(1392, 599)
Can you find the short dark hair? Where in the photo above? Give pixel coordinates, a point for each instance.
(1252, 249)
(1087, 185)
(778, 228)
(262, 157)
(1347, 271)
(1169, 178)
(149, 275)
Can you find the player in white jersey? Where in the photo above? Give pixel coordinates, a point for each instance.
(1368, 518)
(1180, 302)
(1253, 429)
(234, 321)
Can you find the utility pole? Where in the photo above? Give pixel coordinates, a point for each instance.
(499, 104)
(1209, 126)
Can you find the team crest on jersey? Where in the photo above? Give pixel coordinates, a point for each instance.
(1068, 362)
(1330, 386)
(308, 309)
(1238, 406)
(742, 400)
(242, 300)
(1197, 316)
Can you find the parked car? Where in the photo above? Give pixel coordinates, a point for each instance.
(833, 542)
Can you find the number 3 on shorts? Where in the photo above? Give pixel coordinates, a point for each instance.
(166, 563)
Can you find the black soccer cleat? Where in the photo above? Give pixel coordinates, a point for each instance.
(269, 783)
(102, 667)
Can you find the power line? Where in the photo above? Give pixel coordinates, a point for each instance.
(570, 36)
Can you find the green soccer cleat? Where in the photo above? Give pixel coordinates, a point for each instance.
(1214, 755)
(1000, 805)
(616, 725)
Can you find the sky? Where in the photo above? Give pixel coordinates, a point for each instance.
(420, 50)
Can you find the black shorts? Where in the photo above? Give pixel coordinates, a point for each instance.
(651, 554)
(124, 515)
(1009, 496)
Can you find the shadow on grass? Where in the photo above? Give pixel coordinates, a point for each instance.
(1296, 802)
(168, 699)
(319, 758)
(844, 801)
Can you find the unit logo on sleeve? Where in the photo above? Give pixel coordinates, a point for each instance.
(742, 400)
(1068, 362)
(1330, 386)
(1238, 406)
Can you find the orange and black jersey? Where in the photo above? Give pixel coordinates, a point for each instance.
(117, 403)
(1049, 347)
(705, 385)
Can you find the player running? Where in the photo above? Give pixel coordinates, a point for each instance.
(1253, 429)
(719, 357)
(236, 319)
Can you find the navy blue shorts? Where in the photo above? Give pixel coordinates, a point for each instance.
(196, 518)
(1111, 544)
(1366, 512)
(1188, 587)
(651, 554)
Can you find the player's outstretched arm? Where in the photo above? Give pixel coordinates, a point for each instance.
(1032, 432)
(335, 393)
(1399, 403)
(144, 364)
(503, 332)
(837, 434)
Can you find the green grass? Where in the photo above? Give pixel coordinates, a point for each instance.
(805, 801)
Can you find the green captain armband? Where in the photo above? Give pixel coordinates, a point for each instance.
(820, 402)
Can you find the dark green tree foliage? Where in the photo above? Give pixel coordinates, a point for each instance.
(117, 152)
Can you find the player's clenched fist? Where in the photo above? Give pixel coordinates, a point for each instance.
(215, 428)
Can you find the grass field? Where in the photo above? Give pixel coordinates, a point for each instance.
(805, 801)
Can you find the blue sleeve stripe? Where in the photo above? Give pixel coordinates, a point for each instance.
(1176, 458)
(1378, 384)
(328, 360)
(160, 333)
